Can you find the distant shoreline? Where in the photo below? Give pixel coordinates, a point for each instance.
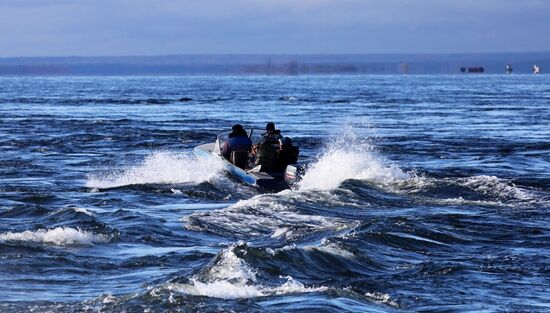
(314, 64)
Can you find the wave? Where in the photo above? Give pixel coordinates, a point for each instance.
(382, 298)
(496, 187)
(332, 248)
(481, 190)
(462, 201)
(84, 211)
(160, 168)
(315, 100)
(275, 216)
(349, 157)
(232, 278)
(58, 236)
(288, 98)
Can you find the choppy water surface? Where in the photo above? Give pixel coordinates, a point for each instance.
(422, 194)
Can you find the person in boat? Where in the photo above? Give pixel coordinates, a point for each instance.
(265, 156)
(237, 141)
(265, 153)
(271, 134)
(287, 154)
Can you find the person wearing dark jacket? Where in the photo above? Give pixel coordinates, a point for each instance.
(266, 156)
(288, 154)
(271, 134)
(237, 141)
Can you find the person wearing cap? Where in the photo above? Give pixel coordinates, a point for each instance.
(237, 141)
(271, 134)
(265, 152)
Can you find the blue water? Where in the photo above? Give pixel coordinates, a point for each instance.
(423, 193)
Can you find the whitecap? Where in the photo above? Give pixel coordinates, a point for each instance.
(494, 186)
(231, 278)
(58, 236)
(85, 211)
(279, 232)
(334, 249)
(382, 298)
(462, 201)
(217, 289)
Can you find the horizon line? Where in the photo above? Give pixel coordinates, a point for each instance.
(274, 54)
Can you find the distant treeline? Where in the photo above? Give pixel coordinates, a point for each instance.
(492, 63)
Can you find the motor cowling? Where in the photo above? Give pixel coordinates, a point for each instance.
(293, 174)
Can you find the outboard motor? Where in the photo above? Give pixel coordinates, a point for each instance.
(293, 174)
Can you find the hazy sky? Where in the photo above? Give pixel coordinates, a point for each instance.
(151, 27)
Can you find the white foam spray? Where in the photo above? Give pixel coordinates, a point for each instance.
(232, 278)
(160, 168)
(57, 236)
(349, 157)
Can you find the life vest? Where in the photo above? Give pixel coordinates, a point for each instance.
(266, 156)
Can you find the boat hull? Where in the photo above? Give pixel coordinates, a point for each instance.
(260, 179)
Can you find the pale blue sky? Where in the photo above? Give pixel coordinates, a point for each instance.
(153, 27)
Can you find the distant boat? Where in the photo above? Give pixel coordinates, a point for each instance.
(478, 69)
(536, 69)
(509, 69)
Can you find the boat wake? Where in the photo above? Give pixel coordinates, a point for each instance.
(336, 166)
(268, 216)
(349, 156)
(298, 214)
(160, 168)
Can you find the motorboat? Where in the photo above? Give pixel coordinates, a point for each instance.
(254, 176)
